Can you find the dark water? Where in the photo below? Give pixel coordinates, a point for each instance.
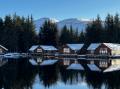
(21, 74)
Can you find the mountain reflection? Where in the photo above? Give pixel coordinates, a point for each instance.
(22, 75)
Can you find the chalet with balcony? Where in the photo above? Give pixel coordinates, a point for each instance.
(104, 49)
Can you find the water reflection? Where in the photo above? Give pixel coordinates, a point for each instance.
(48, 75)
(22, 75)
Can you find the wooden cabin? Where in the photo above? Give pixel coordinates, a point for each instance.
(34, 49)
(3, 49)
(92, 48)
(71, 48)
(104, 49)
(43, 49)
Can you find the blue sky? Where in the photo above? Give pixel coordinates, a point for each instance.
(60, 9)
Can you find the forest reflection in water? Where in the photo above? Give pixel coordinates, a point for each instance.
(22, 75)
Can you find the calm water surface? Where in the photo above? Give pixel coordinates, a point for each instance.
(22, 75)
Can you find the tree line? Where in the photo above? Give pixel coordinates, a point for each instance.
(50, 35)
(18, 33)
(103, 31)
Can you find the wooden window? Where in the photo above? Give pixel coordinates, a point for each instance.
(92, 51)
(1, 51)
(103, 51)
(103, 63)
(39, 50)
(39, 60)
(66, 50)
(66, 62)
(91, 62)
(76, 61)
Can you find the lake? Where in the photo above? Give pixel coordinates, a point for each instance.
(20, 74)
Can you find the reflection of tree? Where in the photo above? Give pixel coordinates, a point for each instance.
(1, 80)
(8, 74)
(48, 75)
(21, 75)
(112, 80)
(25, 76)
(17, 76)
(94, 80)
(70, 77)
(108, 80)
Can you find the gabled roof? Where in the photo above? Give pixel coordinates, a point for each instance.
(113, 46)
(75, 46)
(46, 47)
(3, 47)
(93, 46)
(33, 47)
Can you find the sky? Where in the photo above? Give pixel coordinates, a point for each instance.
(60, 9)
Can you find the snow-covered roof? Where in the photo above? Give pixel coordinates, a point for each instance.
(48, 62)
(3, 47)
(46, 47)
(113, 46)
(75, 66)
(75, 46)
(33, 47)
(93, 46)
(93, 67)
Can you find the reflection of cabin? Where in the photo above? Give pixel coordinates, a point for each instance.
(71, 48)
(102, 63)
(115, 61)
(43, 49)
(104, 49)
(3, 49)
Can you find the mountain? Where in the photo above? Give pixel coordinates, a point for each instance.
(79, 24)
(38, 23)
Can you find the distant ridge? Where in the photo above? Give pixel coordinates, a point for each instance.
(79, 24)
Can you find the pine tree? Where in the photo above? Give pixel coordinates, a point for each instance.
(116, 28)
(1, 30)
(94, 31)
(81, 37)
(48, 33)
(109, 25)
(65, 36)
